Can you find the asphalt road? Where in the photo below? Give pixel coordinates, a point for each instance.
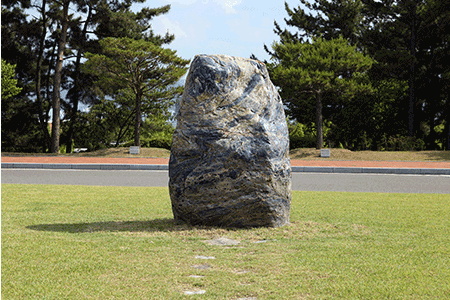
(300, 181)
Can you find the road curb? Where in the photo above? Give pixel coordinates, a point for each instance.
(84, 166)
(295, 169)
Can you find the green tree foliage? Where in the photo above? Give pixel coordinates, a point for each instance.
(409, 43)
(19, 122)
(31, 35)
(105, 125)
(329, 19)
(105, 19)
(305, 136)
(157, 132)
(326, 69)
(147, 70)
(9, 84)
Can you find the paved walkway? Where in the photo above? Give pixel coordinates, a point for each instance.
(136, 163)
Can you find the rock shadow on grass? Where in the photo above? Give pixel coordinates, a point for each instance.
(156, 225)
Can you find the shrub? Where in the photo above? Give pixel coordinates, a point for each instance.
(304, 136)
(404, 143)
(159, 139)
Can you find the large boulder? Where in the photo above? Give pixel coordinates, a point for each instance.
(229, 164)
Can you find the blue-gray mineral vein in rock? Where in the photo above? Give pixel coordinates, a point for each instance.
(230, 164)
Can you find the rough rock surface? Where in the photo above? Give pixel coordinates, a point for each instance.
(229, 164)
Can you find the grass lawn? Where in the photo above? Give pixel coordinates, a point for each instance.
(300, 153)
(88, 242)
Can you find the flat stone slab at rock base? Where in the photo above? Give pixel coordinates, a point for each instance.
(201, 292)
(204, 257)
(202, 267)
(229, 164)
(196, 276)
(223, 242)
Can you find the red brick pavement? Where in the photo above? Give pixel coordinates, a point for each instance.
(163, 161)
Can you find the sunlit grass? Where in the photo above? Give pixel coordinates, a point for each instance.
(87, 242)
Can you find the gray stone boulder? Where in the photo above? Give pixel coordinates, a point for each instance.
(229, 164)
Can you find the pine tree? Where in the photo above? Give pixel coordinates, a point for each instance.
(318, 68)
(409, 43)
(9, 84)
(328, 19)
(106, 19)
(146, 69)
(32, 32)
(410, 40)
(19, 123)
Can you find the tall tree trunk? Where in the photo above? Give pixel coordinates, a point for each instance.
(122, 129)
(137, 123)
(319, 120)
(48, 84)
(46, 142)
(56, 103)
(412, 73)
(76, 84)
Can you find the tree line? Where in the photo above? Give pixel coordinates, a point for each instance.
(359, 74)
(98, 53)
(376, 73)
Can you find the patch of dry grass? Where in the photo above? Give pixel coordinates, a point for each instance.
(111, 152)
(125, 152)
(344, 154)
(300, 153)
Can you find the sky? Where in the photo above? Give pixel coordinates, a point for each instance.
(231, 27)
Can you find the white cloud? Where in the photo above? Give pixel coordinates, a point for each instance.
(164, 24)
(184, 2)
(228, 5)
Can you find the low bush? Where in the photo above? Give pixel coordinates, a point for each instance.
(304, 136)
(158, 140)
(404, 143)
